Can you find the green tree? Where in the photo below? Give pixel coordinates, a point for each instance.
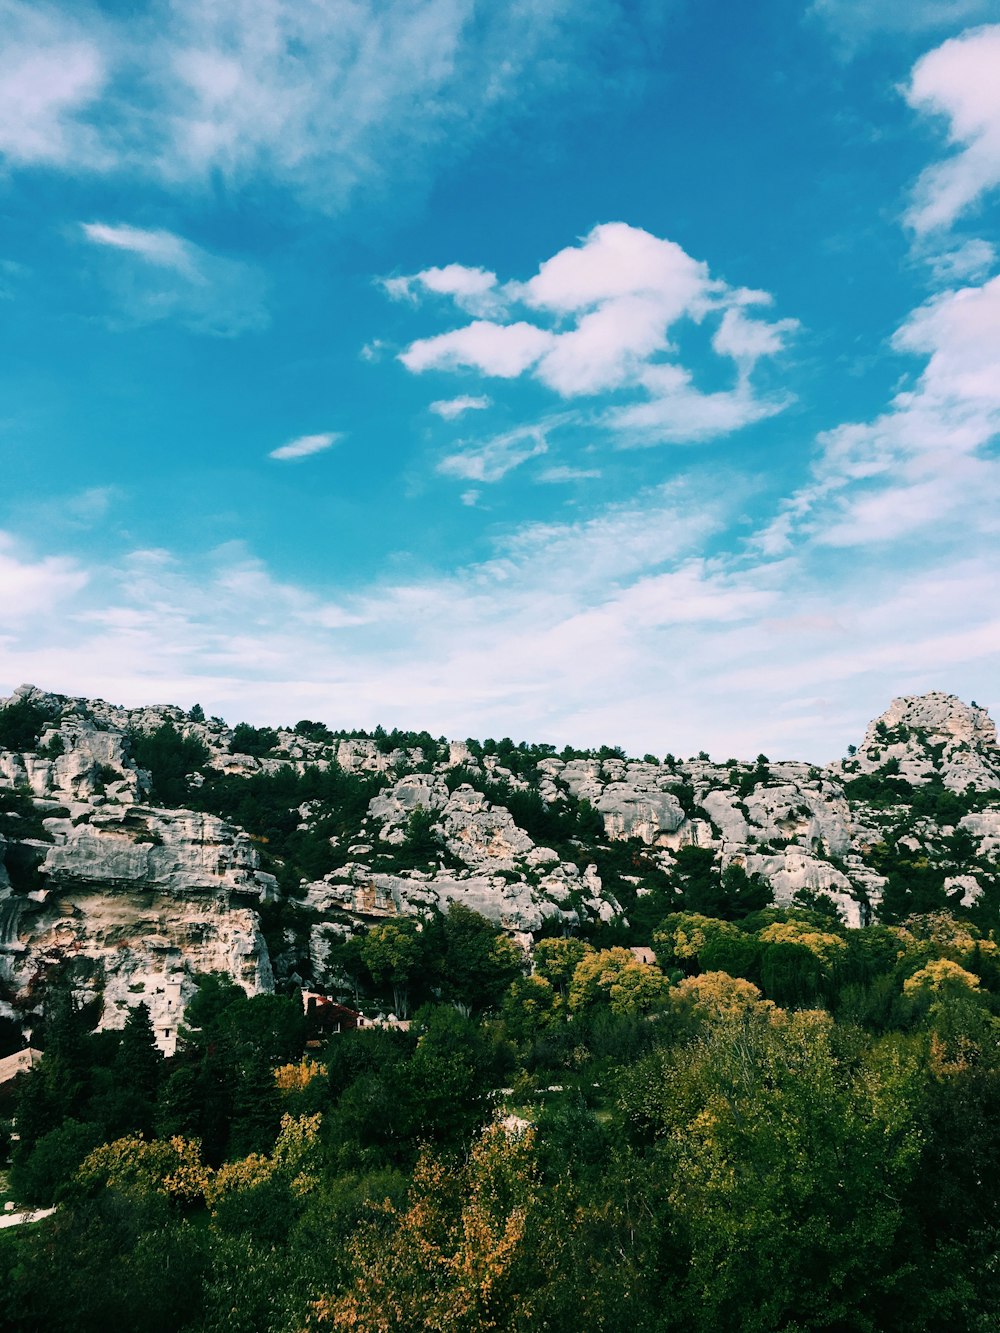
(169, 757)
(393, 954)
(256, 741)
(476, 961)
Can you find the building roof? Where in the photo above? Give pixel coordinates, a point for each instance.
(18, 1063)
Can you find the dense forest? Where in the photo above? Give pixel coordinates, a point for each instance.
(779, 1125)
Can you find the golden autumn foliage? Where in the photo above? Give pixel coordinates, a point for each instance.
(172, 1167)
(296, 1142)
(717, 995)
(296, 1077)
(822, 944)
(451, 1259)
(943, 936)
(615, 976)
(684, 935)
(941, 975)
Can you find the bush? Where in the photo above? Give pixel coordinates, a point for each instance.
(21, 724)
(254, 741)
(168, 757)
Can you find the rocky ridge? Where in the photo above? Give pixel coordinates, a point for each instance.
(136, 895)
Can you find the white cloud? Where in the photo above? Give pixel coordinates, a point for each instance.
(34, 588)
(326, 100)
(617, 260)
(501, 350)
(493, 459)
(747, 340)
(971, 261)
(562, 472)
(621, 291)
(158, 275)
(614, 628)
(156, 247)
(855, 21)
(922, 469)
(471, 289)
(677, 413)
(52, 72)
(450, 408)
(306, 445)
(959, 80)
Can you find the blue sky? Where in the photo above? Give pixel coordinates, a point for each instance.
(592, 371)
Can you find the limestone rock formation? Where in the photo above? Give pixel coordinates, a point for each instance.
(133, 897)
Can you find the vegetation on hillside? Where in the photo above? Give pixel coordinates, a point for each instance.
(780, 1126)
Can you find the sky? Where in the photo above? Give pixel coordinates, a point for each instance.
(587, 371)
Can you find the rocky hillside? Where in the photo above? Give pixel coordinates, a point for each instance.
(139, 847)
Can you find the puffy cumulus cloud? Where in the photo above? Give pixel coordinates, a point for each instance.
(450, 408)
(306, 445)
(617, 260)
(53, 71)
(602, 319)
(747, 340)
(959, 80)
(319, 98)
(472, 289)
(155, 275)
(501, 350)
(493, 459)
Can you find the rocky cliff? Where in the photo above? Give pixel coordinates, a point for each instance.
(141, 847)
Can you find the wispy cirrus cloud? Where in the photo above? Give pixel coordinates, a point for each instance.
(54, 68)
(35, 587)
(317, 99)
(617, 628)
(925, 470)
(855, 23)
(153, 275)
(450, 408)
(492, 459)
(305, 446)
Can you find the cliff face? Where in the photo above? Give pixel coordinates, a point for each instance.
(133, 896)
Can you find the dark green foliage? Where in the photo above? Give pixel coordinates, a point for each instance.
(43, 1175)
(220, 1086)
(791, 975)
(21, 724)
(103, 1264)
(267, 806)
(476, 961)
(23, 867)
(778, 1172)
(317, 732)
(54, 748)
(255, 741)
(423, 844)
(168, 756)
(730, 895)
(562, 825)
(19, 817)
